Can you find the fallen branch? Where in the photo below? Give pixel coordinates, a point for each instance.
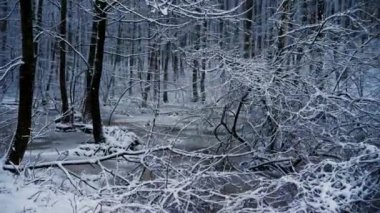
(91, 161)
(127, 155)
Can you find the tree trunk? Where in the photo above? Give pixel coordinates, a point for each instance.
(95, 83)
(248, 29)
(151, 71)
(195, 81)
(196, 63)
(39, 72)
(221, 25)
(27, 71)
(146, 89)
(4, 50)
(39, 14)
(167, 52)
(203, 71)
(52, 66)
(283, 27)
(3, 32)
(175, 62)
(116, 64)
(62, 64)
(157, 74)
(132, 61)
(86, 110)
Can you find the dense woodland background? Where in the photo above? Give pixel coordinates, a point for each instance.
(284, 86)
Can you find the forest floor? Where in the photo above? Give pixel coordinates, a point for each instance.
(174, 125)
(170, 127)
(123, 184)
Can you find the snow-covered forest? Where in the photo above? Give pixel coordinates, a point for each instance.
(190, 106)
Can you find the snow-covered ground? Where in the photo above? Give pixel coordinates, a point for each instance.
(172, 171)
(324, 187)
(26, 193)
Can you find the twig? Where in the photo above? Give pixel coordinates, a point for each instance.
(59, 165)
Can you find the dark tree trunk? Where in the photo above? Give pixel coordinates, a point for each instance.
(151, 60)
(283, 27)
(248, 29)
(195, 81)
(140, 63)
(167, 51)
(151, 71)
(3, 45)
(3, 29)
(52, 59)
(175, 62)
(116, 63)
(157, 74)
(196, 63)
(320, 10)
(203, 71)
(146, 89)
(39, 14)
(69, 24)
(86, 110)
(39, 72)
(27, 71)
(62, 64)
(221, 25)
(132, 61)
(95, 83)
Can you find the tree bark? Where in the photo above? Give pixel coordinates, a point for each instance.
(27, 72)
(39, 72)
(167, 51)
(39, 14)
(248, 29)
(3, 31)
(52, 66)
(62, 64)
(203, 62)
(196, 63)
(195, 81)
(157, 74)
(95, 82)
(116, 64)
(283, 27)
(86, 110)
(132, 61)
(175, 62)
(151, 71)
(3, 45)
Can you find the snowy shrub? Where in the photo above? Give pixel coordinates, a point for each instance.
(327, 186)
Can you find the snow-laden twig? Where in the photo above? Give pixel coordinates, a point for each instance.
(59, 165)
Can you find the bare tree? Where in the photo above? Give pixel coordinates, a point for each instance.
(165, 67)
(249, 8)
(27, 71)
(62, 64)
(3, 49)
(203, 61)
(196, 64)
(100, 7)
(3, 29)
(86, 109)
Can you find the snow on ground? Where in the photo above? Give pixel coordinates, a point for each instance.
(325, 186)
(25, 193)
